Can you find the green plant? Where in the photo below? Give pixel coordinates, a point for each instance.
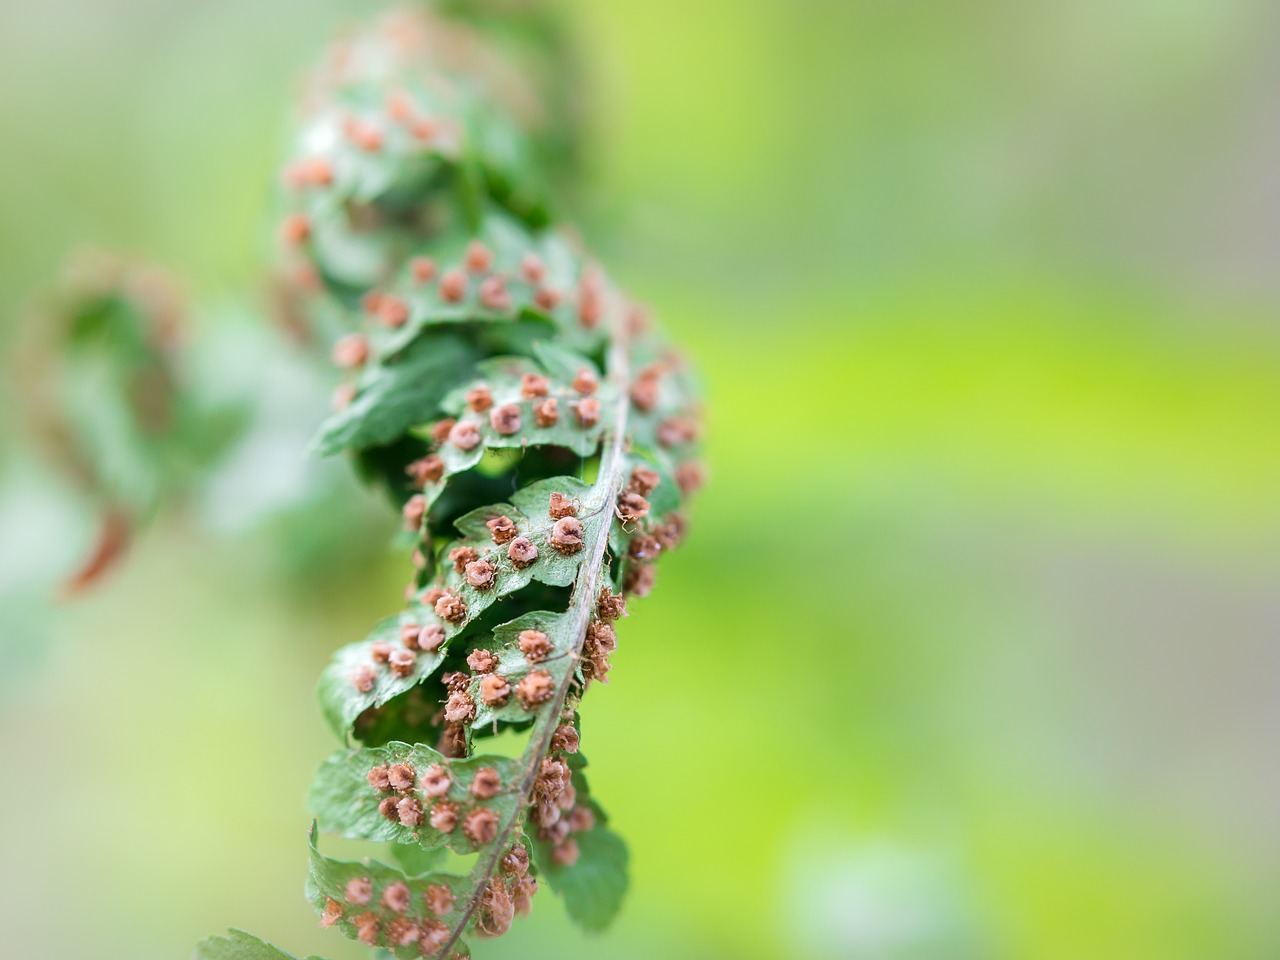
(539, 438)
(100, 373)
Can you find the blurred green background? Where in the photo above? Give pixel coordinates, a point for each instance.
(973, 650)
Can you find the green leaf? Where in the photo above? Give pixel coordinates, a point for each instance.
(416, 860)
(352, 896)
(342, 700)
(560, 363)
(513, 666)
(530, 515)
(341, 697)
(238, 945)
(369, 186)
(398, 393)
(509, 244)
(664, 499)
(345, 803)
(503, 376)
(593, 888)
(677, 390)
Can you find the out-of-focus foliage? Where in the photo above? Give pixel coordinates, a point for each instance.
(123, 404)
(1016, 308)
(101, 382)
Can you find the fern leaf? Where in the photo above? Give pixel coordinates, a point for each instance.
(539, 439)
(238, 945)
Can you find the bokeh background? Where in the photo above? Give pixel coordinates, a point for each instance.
(973, 650)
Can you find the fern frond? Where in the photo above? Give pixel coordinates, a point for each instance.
(540, 440)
